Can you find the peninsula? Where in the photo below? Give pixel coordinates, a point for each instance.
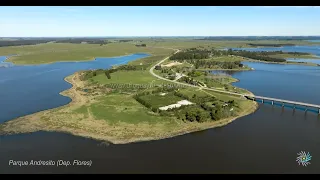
(130, 103)
(169, 93)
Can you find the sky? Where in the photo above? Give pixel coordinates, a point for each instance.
(66, 21)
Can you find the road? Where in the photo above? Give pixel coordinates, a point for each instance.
(185, 84)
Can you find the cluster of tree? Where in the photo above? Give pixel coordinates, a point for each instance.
(179, 94)
(145, 103)
(241, 38)
(192, 53)
(255, 55)
(23, 42)
(188, 80)
(83, 40)
(195, 73)
(138, 98)
(220, 64)
(141, 45)
(125, 40)
(194, 114)
(267, 53)
(128, 67)
(270, 45)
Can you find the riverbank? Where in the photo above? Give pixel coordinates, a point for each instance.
(285, 63)
(64, 119)
(244, 69)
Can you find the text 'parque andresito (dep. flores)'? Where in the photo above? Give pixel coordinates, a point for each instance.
(63, 163)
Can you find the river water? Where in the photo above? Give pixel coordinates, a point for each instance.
(266, 141)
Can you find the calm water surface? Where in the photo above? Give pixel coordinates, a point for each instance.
(266, 141)
(32, 88)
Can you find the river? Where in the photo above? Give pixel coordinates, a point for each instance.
(266, 141)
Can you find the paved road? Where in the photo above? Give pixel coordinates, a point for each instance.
(185, 84)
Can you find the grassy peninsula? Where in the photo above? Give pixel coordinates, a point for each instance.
(127, 103)
(122, 105)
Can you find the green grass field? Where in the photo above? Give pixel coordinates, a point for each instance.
(54, 52)
(123, 77)
(119, 108)
(157, 100)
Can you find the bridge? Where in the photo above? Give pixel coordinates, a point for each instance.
(294, 103)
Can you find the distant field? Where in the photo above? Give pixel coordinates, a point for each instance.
(220, 44)
(53, 52)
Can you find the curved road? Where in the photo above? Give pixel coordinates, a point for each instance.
(185, 84)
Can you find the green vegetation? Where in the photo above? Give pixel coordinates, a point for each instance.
(115, 108)
(54, 52)
(290, 55)
(107, 105)
(269, 45)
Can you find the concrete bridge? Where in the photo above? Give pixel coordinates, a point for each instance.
(294, 103)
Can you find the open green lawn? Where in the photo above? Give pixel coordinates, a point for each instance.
(121, 77)
(53, 52)
(191, 91)
(156, 100)
(151, 60)
(115, 108)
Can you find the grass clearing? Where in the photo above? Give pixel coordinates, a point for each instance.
(117, 108)
(126, 77)
(156, 100)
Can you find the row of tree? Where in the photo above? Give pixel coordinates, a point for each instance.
(196, 54)
(23, 42)
(255, 55)
(269, 45)
(141, 45)
(83, 40)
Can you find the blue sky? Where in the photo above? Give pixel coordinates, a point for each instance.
(159, 21)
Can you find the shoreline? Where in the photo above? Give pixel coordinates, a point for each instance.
(283, 63)
(247, 69)
(39, 122)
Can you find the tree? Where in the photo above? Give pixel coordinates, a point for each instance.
(108, 74)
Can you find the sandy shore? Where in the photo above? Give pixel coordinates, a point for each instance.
(63, 119)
